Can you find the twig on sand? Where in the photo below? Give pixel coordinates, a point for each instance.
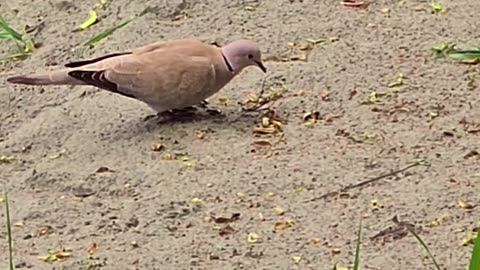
(260, 94)
(366, 182)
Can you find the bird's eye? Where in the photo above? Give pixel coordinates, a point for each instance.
(250, 56)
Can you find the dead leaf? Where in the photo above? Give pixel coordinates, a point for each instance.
(262, 143)
(282, 225)
(104, 170)
(264, 130)
(465, 205)
(200, 134)
(315, 241)
(157, 147)
(92, 249)
(336, 251)
(355, 4)
(19, 224)
(232, 218)
(310, 118)
(226, 230)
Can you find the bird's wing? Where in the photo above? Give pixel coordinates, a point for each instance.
(153, 76)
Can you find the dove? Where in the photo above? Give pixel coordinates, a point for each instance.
(166, 75)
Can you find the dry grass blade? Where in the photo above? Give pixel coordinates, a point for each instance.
(412, 231)
(9, 235)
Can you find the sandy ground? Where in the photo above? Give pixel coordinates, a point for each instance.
(155, 213)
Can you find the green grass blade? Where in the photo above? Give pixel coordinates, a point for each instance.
(424, 246)
(356, 262)
(8, 29)
(9, 235)
(107, 33)
(475, 260)
(464, 54)
(5, 35)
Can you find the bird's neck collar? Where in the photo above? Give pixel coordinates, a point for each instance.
(227, 62)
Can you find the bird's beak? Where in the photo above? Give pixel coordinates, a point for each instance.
(261, 66)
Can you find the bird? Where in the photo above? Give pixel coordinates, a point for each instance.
(165, 75)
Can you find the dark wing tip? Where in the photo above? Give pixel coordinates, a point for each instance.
(91, 61)
(98, 79)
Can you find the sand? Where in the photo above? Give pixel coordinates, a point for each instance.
(172, 209)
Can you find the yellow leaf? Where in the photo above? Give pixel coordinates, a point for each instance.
(375, 203)
(91, 19)
(438, 7)
(265, 121)
(253, 238)
(372, 98)
(6, 159)
(196, 200)
(296, 259)
(299, 189)
(469, 240)
(250, 8)
(55, 256)
(223, 101)
(465, 205)
(279, 211)
(316, 241)
(2, 200)
(385, 10)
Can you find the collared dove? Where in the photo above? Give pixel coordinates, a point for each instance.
(165, 75)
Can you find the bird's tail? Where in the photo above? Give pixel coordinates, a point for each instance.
(58, 77)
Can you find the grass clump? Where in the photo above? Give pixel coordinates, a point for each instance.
(24, 44)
